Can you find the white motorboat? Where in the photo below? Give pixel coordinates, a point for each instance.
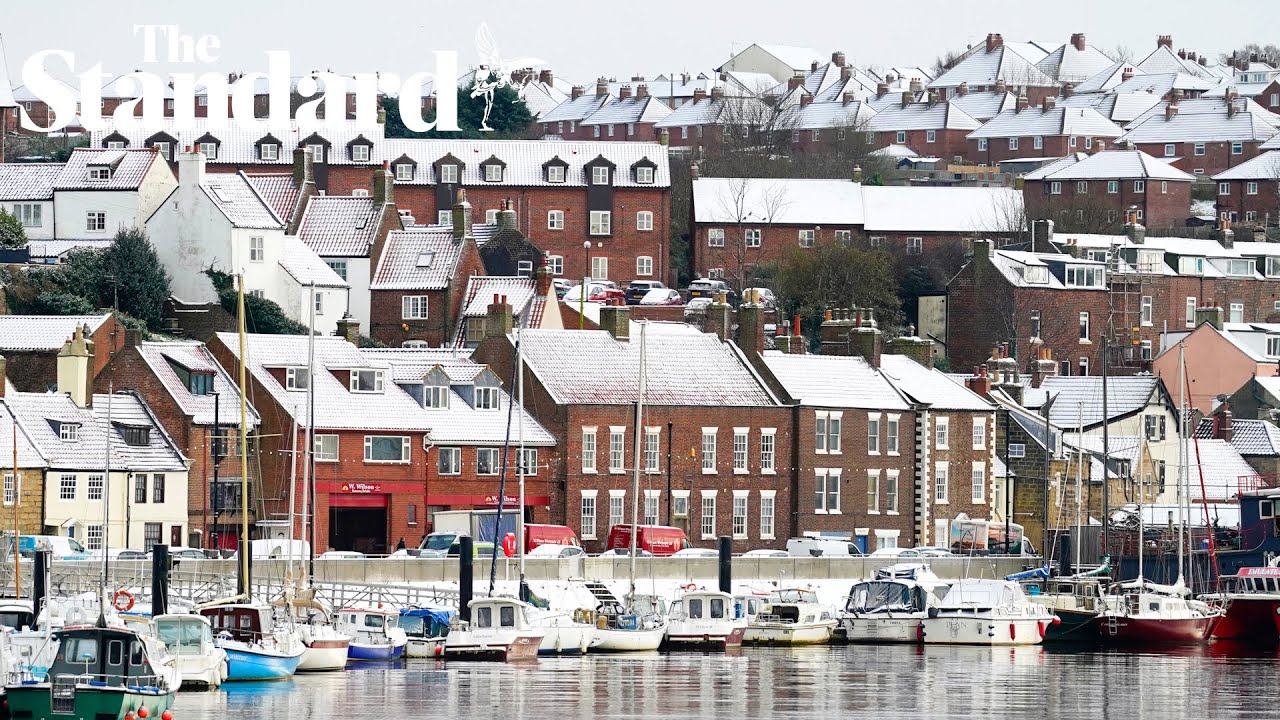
(189, 638)
(325, 646)
(499, 629)
(891, 607)
(374, 633)
(791, 617)
(705, 620)
(986, 612)
(567, 634)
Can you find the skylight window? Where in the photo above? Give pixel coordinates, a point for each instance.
(425, 259)
(361, 222)
(220, 194)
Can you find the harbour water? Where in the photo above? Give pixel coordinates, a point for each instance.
(883, 682)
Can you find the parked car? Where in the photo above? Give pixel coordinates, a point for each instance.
(59, 546)
(639, 288)
(625, 552)
(597, 291)
(552, 550)
(696, 305)
(897, 553)
(661, 296)
(119, 554)
(562, 286)
(697, 553)
(933, 551)
(821, 547)
(764, 552)
(342, 555)
(708, 288)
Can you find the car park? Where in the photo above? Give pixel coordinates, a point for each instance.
(561, 287)
(708, 288)
(661, 296)
(639, 288)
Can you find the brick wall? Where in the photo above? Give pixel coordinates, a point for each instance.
(1161, 203)
(1263, 205)
(1216, 158)
(946, 145)
(998, 150)
(386, 307)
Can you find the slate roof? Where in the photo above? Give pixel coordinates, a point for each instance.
(1263, 167)
(1120, 109)
(43, 333)
(540, 98)
(305, 266)
(930, 386)
(337, 226)
(277, 190)
(1164, 60)
(684, 367)
(1211, 106)
(922, 116)
(411, 364)
(1218, 466)
(28, 181)
(1248, 437)
(1013, 264)
(1198, 126)
(1058, 121)
(1159, 84)
(236, 140)
(983, 68)
(834, 381)
(799, 58)
(236, 198)
(574, 109)
(129, 167)
(1110, 164)
(822, 115)
(1067, 64)
(525, 158)
(1105, 78)
(400, 266)
(634, 109)
(521, 294)
(89, 451)
(726, 109)
(54, 249)
(1125, 396)
(29, 456)
(983, 106)
(193, 356)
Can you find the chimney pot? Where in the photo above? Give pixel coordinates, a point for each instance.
(882, 89)
(1077, 41)
(837, 58)
(1164, 41)
(576, 92)
(963, 88)
(624, 92)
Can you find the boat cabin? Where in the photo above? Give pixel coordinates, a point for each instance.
(887, 596)
(748, 606)
(17, 615)
(425, 623)
(1252, 581)
(497, 612)
(111, 657)
(184, 634)
(792, 606)
(706, 605)
(367, 625)
(245, 623)
(981, 595)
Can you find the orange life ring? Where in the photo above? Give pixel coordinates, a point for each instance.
(690, 587)
(122, 601)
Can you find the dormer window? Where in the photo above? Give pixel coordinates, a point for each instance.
(449, 174)
(296, 378)
(68, 431)
(1240, 268)
(1150, 261)
(1191, 266)
(269, 151)
(367, 381)
(486, 398)
(435, 396)
(1036, 275)
(135, 436)
(99, 173)
(210, 150)
(1273, 346)
(115, 145)
(404, 172)
(1087, 276)
(1273, 266)
(317, 153)
(162, 148)
(555, 173)
(644, 175)
(360, 153)
(200, 383)
(599, 175)
(493, 173)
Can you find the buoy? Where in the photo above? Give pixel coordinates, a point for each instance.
(690, 587)
(1056, 620)
(920, 632)
(166, 715)
(128, 715)
(1041, 626)
(122, 601)
(143, 712)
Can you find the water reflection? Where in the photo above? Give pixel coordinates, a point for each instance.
(857, 681)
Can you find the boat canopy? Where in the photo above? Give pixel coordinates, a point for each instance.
(793, 596)
(883, 596)
(971, 594)
(1039, 573)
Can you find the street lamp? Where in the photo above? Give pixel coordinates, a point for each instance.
(586, 278)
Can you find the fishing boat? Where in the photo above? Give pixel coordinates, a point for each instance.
(98, 672)
(189, 639)
(257, 647)
(425, 629)
(986, 612)
(499, 629)
(791, 617)
(1250, 606)
(891, 607)
(704, 620)
(374, 633)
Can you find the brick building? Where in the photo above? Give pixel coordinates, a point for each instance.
(1250, 192)
(934, 128)
(629, 117)
(563, 120)
(1047, 131)
(31, 344)
(1202, 136)
(198, 404)
(1094, 192)
(399, 434)
(721, 437)
(1013, 65)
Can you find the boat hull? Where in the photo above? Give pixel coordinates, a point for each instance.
(1252, 621)
(201, 671)
(324, 655)
(568, 639)
(1076, 626)
(641, 640)
(517, 648)
(788, 634)
(424, 647)
(35, 700)
(363, 651)
(972, 630)
(248, 664)
(1138, 631)
(714, 641)
(904, 629)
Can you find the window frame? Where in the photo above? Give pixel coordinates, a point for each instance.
(406, 453)
(600, 223)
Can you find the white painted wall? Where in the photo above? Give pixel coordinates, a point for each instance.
(358, 274)
(70, 208)
(172, 512)
(190, 234)
(753, 59)
(45, 231)
(295, 298)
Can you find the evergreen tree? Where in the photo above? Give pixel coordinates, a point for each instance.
(141, 283)
(509, 118)
(12, 234)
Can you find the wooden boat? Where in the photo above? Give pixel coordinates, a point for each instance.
(791, 617)
(98, 672)
(499, 629)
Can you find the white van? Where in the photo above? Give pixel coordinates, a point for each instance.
(821, 547)
(59, 546)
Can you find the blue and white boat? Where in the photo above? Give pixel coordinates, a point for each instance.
(426, 630)
(257, 648)
(375, 634)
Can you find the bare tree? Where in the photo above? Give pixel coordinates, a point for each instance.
(750, 203)
(1122, 53)
(945, 62)
(1269, 54)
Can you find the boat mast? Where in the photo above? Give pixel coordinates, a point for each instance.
(635, 460)
(293, 486)
(106, 513)
(520, 470)
(1182, 449)
(247, 588)
(17, 568)
(310, 490)
(1079, 476)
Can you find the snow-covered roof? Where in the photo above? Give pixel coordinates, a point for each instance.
(278, 190)
(422, 258)
(797, 58)
(1164, 60)
(43, 333)
(1015, 63)
(1119, 109)
(983, 106)
(1085, 122)
(305, 266)
(808, 379)
(634, 109)
(168, 359)
(28, 181)
(1159, 84)
(1220, 126)
(41, 414)
(339, 226)
(1248, 437)
(238, 199)
(941, 209)
(727, 110)
(922, 116)
(1106, 77)
(1126, 395)
(574, 109)
(525, 160)
(1263, 167)
(930, 386)
(1110, 165)
(128, 168)
(1070, 64)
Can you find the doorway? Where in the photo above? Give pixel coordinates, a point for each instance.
(363, 529)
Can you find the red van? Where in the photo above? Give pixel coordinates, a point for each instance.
(535, 535)
(658, 539)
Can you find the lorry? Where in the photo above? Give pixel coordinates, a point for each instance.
(450, 525)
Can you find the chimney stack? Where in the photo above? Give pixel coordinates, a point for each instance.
(1022, 104)
(794, 82)
(1049, 104)
(837, 58)
(932, 98)
(542, 278)
(847, 98)
(906, 98)
(917, 348)
(546, 78)
(717, 93)
(75, 367)
(461, 217)
(507, 216)
(191, 167)
(1068, 89)
(1001, 88)
(1211, 314)
(576, 92)
(865, 338)
(349, 328)
(719, 317)
(1164, 41)
(1045, 366)
(916, 86)
(624, 92)
(846, 72)
(303, 170)
(963, 89)
(693, 171)
(1077, 41)
(882, 89)
(699, 94)
(1223, 423)
(642, 90)
(1126, 74)
(498, 321)
(994, 41)
(813, 66)
(805, 99)
(1171, 110)
(751, 327)
(980, 383)
(1132, 228)
(383, 186)
(602, 87)
(616, 320)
